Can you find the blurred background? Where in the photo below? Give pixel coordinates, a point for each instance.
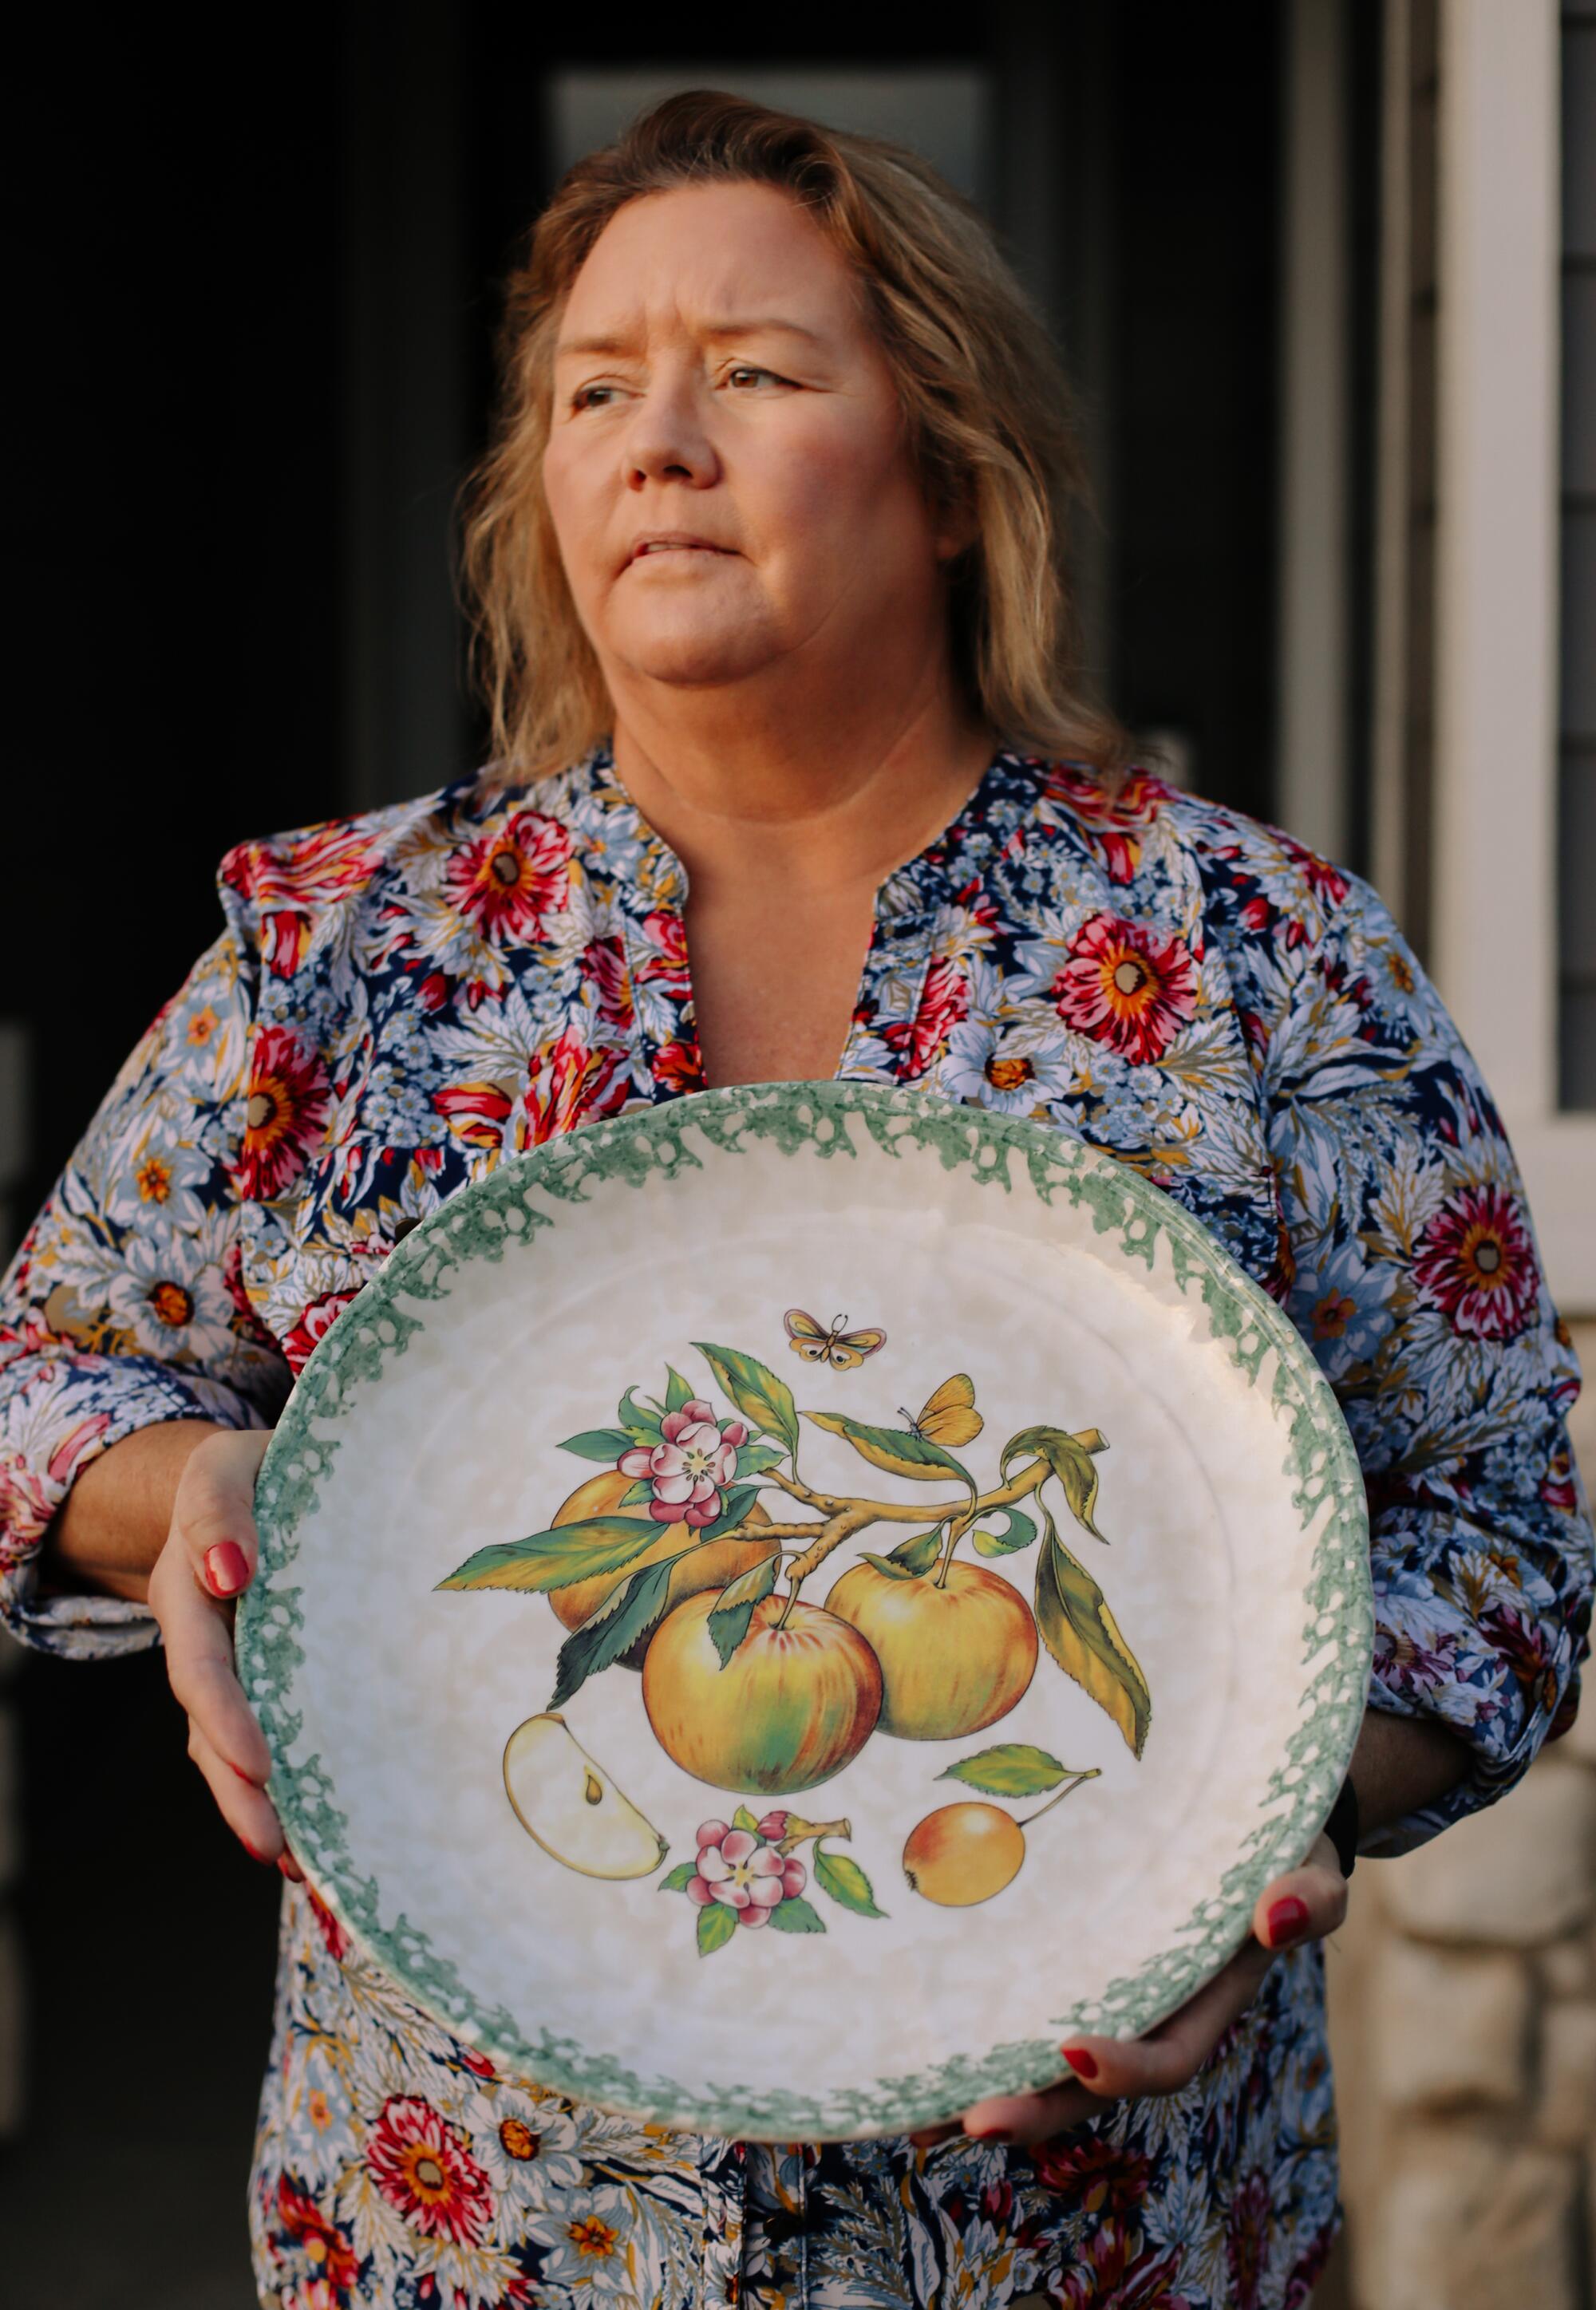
(1324, 273)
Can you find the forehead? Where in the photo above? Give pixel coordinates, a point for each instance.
(701, 254)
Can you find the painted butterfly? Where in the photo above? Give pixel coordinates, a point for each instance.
(844, 1349)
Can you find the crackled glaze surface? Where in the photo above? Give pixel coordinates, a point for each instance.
(428, 1424)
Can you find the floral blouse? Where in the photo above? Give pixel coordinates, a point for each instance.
(399, 1001)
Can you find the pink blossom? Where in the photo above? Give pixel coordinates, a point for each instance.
(690, 1464)
(743, 1872)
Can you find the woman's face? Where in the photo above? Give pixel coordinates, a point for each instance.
(725, 469)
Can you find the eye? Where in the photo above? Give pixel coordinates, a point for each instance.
(583, 399)
(746, 368)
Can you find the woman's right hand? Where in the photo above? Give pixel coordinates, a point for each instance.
(207, 1561)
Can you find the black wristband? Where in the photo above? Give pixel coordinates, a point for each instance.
(1341, 1828)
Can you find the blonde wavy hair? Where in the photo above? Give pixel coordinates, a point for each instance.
(985, 403)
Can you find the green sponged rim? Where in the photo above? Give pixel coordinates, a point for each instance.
(479, 1223)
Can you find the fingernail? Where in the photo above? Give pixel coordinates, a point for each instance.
(263, 1858)
(989, 2133)
(1286, 1919)
(227, 1568)
(290, 1867)
(1079, 2061)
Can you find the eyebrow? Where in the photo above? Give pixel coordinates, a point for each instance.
(718, 331)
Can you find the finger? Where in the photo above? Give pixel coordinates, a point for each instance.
(198, 1638)
(214, 1513)
(1171, 2054)
(1030, 2118)
(247, 1810)
(1305, 1904)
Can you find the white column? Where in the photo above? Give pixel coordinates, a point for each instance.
(1496, 543)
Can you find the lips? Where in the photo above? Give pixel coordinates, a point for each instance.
(674, 542)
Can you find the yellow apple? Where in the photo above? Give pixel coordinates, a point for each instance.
(791, 1707)
(963, 1853)
(953, 1659)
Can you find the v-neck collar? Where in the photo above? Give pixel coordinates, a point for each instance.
(907, 910)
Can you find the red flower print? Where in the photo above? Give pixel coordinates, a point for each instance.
(510, 881)
(567, 1084)
(422, 2167)
(474, 1112)
(314, 1325)
(334, 1938)
(285, 1116)
(678, 1067)
(323, 2243)
(1112, 2275)
(324, 863)
(944, 1001)
(1475, 1264)
(666, 968)
(434, 990)
(1098, 2176)
(1556, 1486)
(603, 963)
(1127, 986)
(1247, 2238)
(285, 942)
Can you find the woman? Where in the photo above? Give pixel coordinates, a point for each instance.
(769, 561)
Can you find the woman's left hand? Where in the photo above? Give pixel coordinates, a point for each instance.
(1301, 1907)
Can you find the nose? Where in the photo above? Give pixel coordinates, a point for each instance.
(667, 439)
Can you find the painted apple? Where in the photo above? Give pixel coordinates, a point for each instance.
(792, 1707)
(954, 1658)
(711, 1565)
(963, 1853)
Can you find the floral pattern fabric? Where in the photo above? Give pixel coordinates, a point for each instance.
(399, 1001)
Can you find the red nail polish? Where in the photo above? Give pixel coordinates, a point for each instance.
(1079, 2061)
(989, 2133)
(227, 1568)
(290, 1868)
(1286, 1919)
(263, 1858)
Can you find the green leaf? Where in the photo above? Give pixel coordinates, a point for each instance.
(755, 1459)
(898, 1450)
(1018, 1532)
(717, 1922)
(677, 1391)
(1070, 1458)
(794, 1916)
(1080, 1631)
(639, 1423)
(884, 1564)
(920, 1553)
(554, 1559)
(628, 1612)
(765, 1401)
(744, 1819)
(678, 1880)
(1011, 1769)
(635, 1494)
(847, 1882)
(734, 1505)
(728, 1623)
(598, 1443)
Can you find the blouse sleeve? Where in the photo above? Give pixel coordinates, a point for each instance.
(1418, 1283)
(125, 1305)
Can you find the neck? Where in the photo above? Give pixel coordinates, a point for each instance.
(840, 791)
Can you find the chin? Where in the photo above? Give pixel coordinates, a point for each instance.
(695, 654)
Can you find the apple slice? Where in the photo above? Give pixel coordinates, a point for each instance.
(571, 1806)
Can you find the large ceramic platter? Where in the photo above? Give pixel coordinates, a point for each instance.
(992, 1549)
